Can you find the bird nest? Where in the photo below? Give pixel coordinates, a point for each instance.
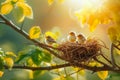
(74, 52)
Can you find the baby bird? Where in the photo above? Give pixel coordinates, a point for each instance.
(81, 38)
(72, 37)
(49, 40)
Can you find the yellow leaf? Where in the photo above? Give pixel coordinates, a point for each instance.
(94, 25)
(51, 34)
(91, 19)
(27, 10)
(50, 2)
(117, 51)
(11, 54)
(1, 73)
(60, 78)
(83, 19)
(21, 0)
(57, 31)
(102, 74)
(6, 8)
(114, 33)
(61, 1)
(35, 32)
(30, 74)
(92, 64)
(78, 15)
(14, 0)
(9, 62)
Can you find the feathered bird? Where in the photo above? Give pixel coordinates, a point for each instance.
(72, 37)
(80, 38)
(49, 40)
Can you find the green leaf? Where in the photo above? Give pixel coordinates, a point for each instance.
(26, 53)
(2, 55)
(38, 73)
(1, 62)
(22, 57)
(36, 56)
(46, 56)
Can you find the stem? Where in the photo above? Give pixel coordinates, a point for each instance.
(39, 68)
(112, 56)
(116, 47)
(3, 22)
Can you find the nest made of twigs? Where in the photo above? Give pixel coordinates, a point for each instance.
(74, 52)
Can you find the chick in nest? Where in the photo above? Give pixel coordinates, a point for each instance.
(72, 37)
(80, 38)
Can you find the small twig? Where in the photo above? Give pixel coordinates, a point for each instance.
(40, 68)
(112, 56)
(95, 69)
(109, 61)
(65, 72)
(22, 25)
(74, 72)
(3, 22)
(116, 46)
(101, 62)
(106, 59)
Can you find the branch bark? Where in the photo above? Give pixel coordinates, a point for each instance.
(39, 68)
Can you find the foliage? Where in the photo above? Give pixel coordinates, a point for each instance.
(34, 32)
(33, 57)
(22, 9)
(103, 74)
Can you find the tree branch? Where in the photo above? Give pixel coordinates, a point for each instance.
(116, 47)
(94, 69)
(22, 32)
(112, 56)
(3, 22)
(39, 68)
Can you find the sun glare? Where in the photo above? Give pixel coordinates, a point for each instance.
(95, 4)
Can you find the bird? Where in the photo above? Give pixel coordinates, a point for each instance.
(80, 38)
(72, 36)
(49, 40)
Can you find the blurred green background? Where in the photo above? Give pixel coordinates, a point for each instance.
(58, 16)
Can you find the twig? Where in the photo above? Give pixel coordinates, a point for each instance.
(22, 25)
(101, 62)
(95, 69)
(3, 22)
(109, 61)
(112, 56)
(40, 68)
(116, 47)
(106, 59)
(74, 72)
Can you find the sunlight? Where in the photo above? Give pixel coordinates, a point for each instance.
(94, 4)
